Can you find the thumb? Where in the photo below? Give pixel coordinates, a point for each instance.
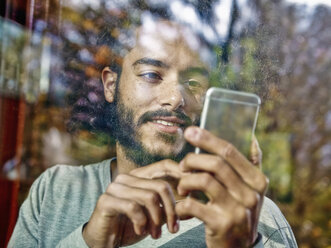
(255, 153)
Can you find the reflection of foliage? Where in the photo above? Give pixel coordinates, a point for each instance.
(22, 72)
(279, 54)
(287, 60)
(12, 42)
(286, 65)
(277, 164)
(96, 38)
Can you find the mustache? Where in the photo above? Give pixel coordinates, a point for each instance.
(149, 115)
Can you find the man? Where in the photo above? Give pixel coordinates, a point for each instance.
(141, 197)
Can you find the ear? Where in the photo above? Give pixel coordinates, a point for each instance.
(109, 78)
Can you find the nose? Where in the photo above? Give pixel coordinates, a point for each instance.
(172, 95)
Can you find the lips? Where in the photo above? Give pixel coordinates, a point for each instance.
(168, 121)
(168, 124)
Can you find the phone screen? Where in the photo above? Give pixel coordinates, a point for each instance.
(231, 115)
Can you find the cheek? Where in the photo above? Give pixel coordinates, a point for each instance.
(199, 98)
(194, 104)
(141, 97)
(136, 96)
(144, 94)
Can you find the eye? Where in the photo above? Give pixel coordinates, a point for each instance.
(151, 76)
(192, 83)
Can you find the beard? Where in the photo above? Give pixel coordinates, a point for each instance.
(121, 122)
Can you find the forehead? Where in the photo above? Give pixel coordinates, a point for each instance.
(169, 42)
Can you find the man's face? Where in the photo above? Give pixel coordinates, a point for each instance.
(160, 93)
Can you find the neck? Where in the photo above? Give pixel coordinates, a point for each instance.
(122, 165)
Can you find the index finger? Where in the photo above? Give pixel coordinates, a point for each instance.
(205, 140)
(161, 187)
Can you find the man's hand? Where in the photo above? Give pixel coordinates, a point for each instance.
(133, 206)
(235, 188)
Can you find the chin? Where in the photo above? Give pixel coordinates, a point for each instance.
(165, 150)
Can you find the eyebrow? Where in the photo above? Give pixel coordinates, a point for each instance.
(159, 63)
(149, 61)
(199, 70)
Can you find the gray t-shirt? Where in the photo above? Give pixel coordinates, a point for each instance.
(63, 198)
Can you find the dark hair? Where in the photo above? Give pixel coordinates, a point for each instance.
(113, 42)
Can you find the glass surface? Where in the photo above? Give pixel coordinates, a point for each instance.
(52, 54)
(231, 115)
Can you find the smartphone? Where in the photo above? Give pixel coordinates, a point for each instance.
(232, 116)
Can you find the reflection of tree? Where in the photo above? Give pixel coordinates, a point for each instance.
(307, 74)
(276, 52)
(287, 59)
(273, 54)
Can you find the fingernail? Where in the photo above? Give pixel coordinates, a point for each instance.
(176, 226)
(153, 233)
(191, 133)
(158, 233)
(179, 190)
(255, 159)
